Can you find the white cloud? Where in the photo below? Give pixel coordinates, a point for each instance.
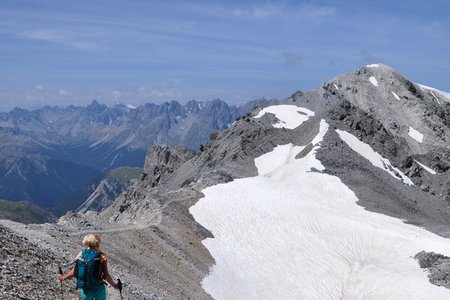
(257, 12)
(151, 92)
(267, 11)
(63, 92)
(116, 94)
(39, 87)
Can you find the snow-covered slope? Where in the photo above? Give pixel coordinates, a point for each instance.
(294, 232)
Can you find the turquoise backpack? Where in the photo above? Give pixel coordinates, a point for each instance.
(88, 270)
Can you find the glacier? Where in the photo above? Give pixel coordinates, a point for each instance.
(295, 232)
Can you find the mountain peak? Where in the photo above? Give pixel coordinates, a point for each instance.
(96, 107)
(94, 103)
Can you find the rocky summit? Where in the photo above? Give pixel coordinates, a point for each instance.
(329, 194)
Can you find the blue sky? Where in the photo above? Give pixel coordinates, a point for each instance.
(71, 52)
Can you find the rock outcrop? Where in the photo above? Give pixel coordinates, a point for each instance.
(438, 267)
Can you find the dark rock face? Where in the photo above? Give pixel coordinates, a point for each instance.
(28, 271)
(438, 267)
(161, 161)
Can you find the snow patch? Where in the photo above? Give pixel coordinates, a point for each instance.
(435, 98)
(428, 169)
(395, 95)
(376, 159)
(322, 131)
(99, 141)
(336, 86)
(298, 234)
(373, 81)
(373, 66)
(114, 159)
(290, 116)
(131, 106)
(415, 134)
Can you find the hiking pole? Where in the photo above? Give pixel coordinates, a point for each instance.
(119, 286)
(62, 292)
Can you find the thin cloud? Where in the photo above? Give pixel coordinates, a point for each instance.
(151, 92)
(290, 58)
(116, 94)
(268, 11)
(368, 57)
(65, 38)
(265, 11)
(258, 12)
(63, 93)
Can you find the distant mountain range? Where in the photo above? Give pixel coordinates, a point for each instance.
(51, 153)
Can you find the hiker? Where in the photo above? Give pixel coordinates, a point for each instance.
(91, 269)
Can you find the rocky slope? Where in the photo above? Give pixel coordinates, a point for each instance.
(28, 271)
(406, 124)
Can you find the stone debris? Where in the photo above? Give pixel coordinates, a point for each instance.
(28, 271)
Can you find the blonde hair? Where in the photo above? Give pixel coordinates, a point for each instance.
(90, 241)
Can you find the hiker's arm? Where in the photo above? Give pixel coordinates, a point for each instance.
(106, 275)
(68, 275)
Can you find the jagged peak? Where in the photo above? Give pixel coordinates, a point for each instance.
(94, 103)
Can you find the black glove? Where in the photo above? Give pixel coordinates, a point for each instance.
(119, 285)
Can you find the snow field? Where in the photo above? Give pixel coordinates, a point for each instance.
(290, 116)
(373, 66)
(294, 233)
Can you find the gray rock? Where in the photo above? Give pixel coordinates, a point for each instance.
(438, 267)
